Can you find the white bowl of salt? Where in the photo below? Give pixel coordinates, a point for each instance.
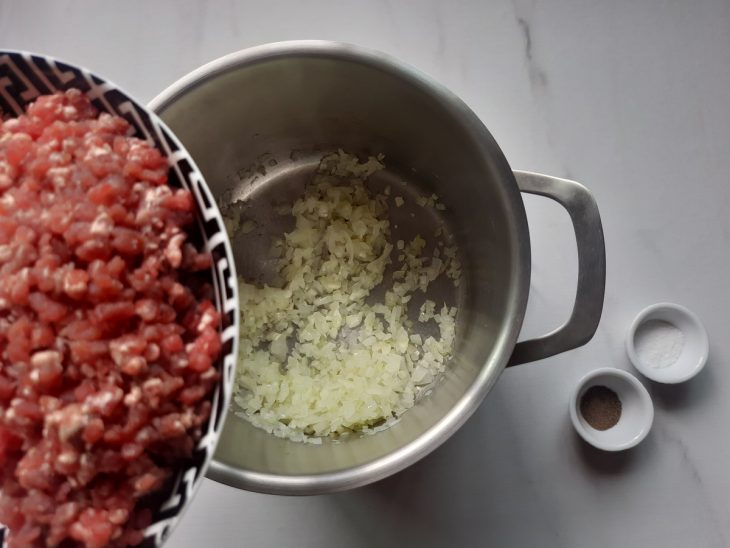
(667, 343)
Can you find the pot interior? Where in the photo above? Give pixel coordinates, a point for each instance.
(257, 129)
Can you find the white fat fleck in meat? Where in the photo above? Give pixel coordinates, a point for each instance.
(206, 320)
(146, 309)
(136, 145)
(151, 198)
(151, 384)
(46, 272)
(5, 252)
(209, 374)
(74, 288)
(133, 397)
(188, 418)
(152, 352)
(67, 457)
(69, 420)
(134, 365)
(119, 350)
(102, 225)
(45, 358)
(177, 291)
(173, 251)
(96, 151)
(59, 175)
(8, 200)
(118, 516)
(50, 404)
(101, 400)
(181, 363)
(69, 111)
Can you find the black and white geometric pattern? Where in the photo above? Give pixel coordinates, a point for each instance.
(24, 77)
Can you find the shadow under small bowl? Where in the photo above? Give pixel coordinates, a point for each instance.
(695, 348)
(637, 410)
(23, 78)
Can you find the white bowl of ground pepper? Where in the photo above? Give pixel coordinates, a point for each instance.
(667, 343)
(611, 409)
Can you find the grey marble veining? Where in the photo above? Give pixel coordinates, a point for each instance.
(629, 98)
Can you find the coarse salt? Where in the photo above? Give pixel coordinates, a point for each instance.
(658, 343)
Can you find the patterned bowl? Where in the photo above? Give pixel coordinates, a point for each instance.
(25, 76)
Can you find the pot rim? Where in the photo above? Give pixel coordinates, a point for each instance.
(408, 454)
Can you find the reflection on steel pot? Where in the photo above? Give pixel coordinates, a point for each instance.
(279, 107)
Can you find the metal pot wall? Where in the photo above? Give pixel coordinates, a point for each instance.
(256, 122)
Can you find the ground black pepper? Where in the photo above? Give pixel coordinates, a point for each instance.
(600, 407)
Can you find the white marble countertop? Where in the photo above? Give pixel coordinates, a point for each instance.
(629, 98)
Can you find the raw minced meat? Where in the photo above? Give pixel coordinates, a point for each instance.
(107, 334)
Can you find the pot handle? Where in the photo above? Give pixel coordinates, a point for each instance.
(583, 321)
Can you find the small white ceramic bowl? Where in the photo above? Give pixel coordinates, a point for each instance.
(694, 351)
(637, 410)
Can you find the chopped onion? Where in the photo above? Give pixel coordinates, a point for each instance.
(317, 358)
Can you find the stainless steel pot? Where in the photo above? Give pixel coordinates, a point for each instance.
(256, 122)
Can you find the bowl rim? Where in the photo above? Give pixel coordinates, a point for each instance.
(654, 375)
(162, 529)
(630, 380)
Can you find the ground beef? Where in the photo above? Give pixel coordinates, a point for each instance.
(107, 339)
